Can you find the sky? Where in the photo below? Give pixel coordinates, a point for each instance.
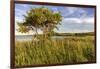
(74, 19)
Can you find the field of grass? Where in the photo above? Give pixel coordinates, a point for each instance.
(55, 51)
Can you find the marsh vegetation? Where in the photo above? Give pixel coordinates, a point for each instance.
(73, 49)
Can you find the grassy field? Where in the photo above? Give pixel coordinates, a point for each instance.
(55, 51)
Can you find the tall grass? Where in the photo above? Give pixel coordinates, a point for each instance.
(55, 51)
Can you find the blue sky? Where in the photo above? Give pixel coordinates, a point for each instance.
(75, 19)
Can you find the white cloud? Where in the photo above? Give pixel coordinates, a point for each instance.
(79, 20)
(20, 12)
(71, 10)
(17, 19)
(89, 20)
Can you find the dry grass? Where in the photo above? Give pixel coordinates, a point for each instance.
(55, 51)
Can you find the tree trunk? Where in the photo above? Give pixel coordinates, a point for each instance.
(44, 32)
(36, 32)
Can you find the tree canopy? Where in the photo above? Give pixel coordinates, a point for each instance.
(40, 18)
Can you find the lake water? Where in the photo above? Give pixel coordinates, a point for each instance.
(23, 37)
(29, 37)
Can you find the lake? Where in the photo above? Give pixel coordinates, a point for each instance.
(23, 37)
(29, 37)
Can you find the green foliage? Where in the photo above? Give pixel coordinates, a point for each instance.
(55, 51)
(23, 28)
(40, 18)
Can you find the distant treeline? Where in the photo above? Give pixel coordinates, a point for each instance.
(74, 34)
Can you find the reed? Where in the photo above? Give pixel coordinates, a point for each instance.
(55, 51)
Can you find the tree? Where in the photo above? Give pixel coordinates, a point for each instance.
(40, 18)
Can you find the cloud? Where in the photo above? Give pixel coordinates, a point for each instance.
(71, 10)
(76, 12)
(17, 19)
(20, 12)
(79, 20)
(73, 25)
